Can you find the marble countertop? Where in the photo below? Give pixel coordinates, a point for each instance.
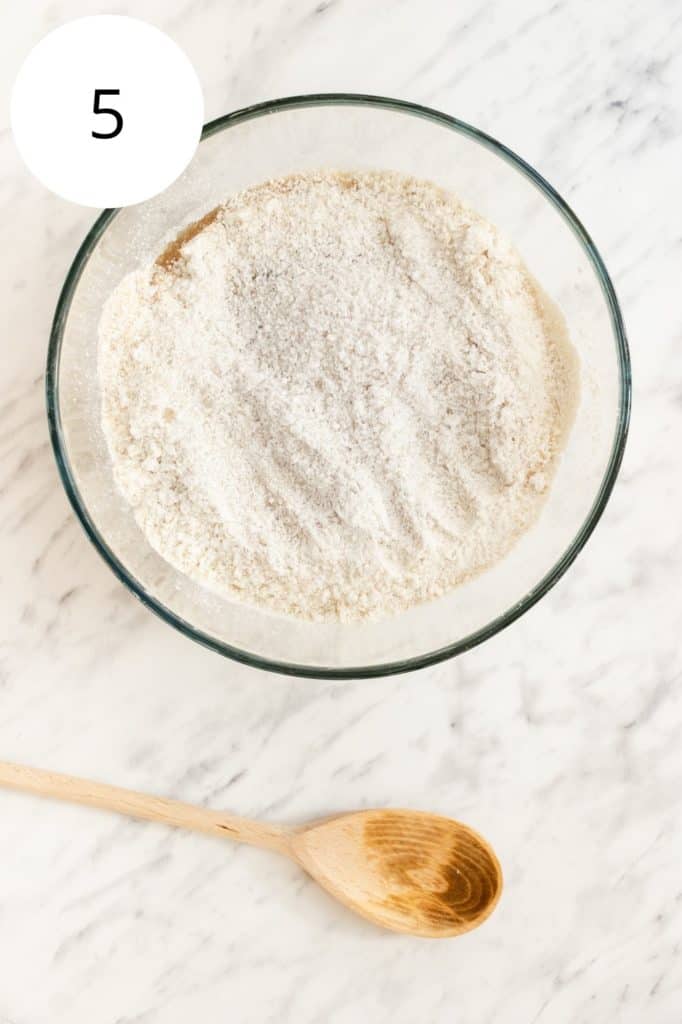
(559, 738)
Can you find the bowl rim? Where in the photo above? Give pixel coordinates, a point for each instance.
(495, 625)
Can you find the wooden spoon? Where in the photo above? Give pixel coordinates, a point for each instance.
(404, 870)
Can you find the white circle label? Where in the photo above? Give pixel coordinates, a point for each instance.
(107, 111)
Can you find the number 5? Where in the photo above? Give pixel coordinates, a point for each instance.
(107, 110)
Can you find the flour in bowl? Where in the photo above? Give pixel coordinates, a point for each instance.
(335, 396)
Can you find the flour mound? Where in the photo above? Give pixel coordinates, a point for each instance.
(336, 396)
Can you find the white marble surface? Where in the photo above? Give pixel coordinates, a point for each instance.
(559, 739)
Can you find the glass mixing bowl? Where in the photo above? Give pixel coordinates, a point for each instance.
(348, 132)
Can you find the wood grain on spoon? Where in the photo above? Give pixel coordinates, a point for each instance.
(404, 870)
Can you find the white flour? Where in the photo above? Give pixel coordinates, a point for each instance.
(336, 396)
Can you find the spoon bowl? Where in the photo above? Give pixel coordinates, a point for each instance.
(407, 871)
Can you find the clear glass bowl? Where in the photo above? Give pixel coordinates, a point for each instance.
(348, 132)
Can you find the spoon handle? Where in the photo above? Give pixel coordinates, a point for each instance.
(141, 805)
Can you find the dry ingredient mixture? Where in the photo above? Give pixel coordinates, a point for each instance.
(335, 396)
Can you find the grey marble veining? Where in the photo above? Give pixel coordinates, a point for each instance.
(559, 739)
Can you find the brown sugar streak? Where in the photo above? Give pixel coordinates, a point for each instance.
(173, 251)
